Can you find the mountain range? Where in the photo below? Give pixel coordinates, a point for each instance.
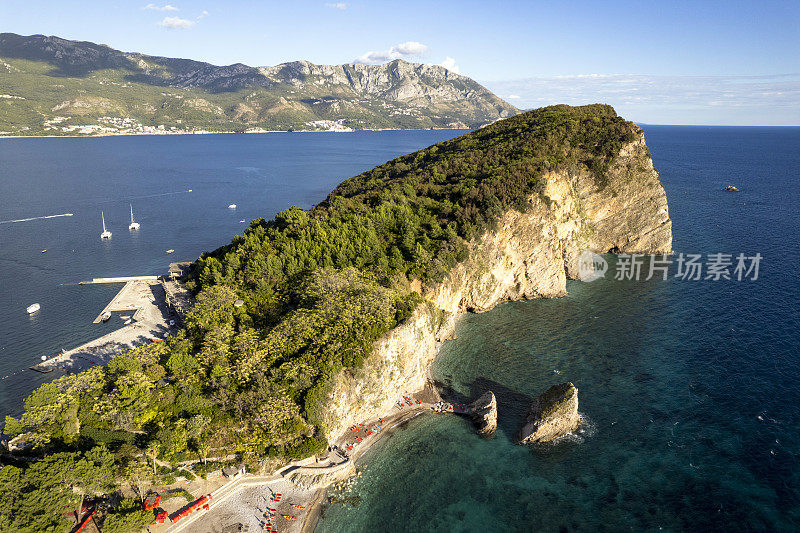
(55, 86)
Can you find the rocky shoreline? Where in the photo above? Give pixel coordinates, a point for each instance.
(529, 255)
(171, 133)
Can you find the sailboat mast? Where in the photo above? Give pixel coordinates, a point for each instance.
(104, 221)
(131, 213)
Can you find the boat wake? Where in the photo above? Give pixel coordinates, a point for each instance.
(34, 218)
(159, 194)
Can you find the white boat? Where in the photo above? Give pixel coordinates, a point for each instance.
(43, 251)
(134, 225)
(33, 308)
(232, 206)
(106, 234)
(170, 251)
(241, 221)
(127, 322)
(125, 317)
(105, 316)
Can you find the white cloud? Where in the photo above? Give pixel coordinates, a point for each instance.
(167, 7)
(731, 100)
(203, 15)
(450, 64)
(404, 50)
(337, 5)
(176, 23)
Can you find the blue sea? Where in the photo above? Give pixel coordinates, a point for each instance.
(261, 173)
(689, 389)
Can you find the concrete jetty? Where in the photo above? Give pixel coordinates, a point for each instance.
(134, 297)
(123, 279)
(146, 298)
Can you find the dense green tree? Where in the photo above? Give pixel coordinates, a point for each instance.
(317, 289)
(129, 517)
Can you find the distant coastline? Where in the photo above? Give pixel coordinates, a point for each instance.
(176, 133)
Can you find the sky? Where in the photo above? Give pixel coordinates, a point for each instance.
(658, 62)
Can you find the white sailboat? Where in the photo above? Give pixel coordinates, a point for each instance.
(106, 234)
(134, 225)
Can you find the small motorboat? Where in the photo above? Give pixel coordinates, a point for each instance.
(170, 251)
(232, 206)
(33, 308)
(125, 317)
(241, 221)
(43, 251)
(190, 190)
(105, 316)
(127, 322)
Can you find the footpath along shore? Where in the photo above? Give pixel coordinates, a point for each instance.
(292, 498)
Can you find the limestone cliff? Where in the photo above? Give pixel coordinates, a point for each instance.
(553, 414)
(530, 254)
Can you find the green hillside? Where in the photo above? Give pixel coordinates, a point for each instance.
(319, 287)
(52, 86)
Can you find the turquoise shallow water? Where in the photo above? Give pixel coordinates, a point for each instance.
(689, 388)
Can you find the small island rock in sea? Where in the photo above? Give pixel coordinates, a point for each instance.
(552, 415)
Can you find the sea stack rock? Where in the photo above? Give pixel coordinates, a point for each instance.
(484, 414)
(553, 414)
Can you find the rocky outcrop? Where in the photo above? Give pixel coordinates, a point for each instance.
(552, 415)
(484, 414)
(530, 254)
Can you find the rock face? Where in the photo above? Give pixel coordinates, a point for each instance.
(529, 255)
(552, 415)
(484, 414)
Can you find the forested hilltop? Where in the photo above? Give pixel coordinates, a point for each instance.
(319, 288)
(54, 86)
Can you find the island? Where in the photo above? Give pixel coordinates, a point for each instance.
(341, 309)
